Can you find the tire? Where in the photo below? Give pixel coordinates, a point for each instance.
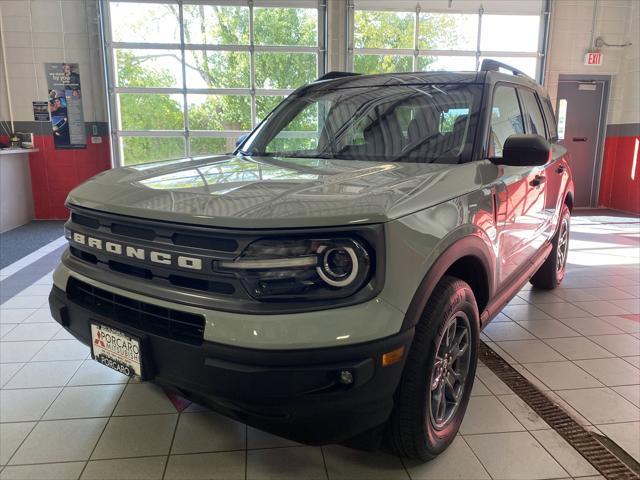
(551, 272)
(415, 430)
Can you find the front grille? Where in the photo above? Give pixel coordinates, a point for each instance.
(199, 242)
(182, 326)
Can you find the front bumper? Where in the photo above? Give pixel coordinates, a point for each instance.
(292, 393)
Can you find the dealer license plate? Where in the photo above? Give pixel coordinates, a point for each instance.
(116, 350)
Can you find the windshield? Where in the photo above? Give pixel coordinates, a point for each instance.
(386, 123)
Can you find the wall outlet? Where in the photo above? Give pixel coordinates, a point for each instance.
(96, 139)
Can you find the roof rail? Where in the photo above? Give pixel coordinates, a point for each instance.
(489, 65)
(336, 74)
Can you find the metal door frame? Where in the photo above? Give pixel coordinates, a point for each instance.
(602, 125)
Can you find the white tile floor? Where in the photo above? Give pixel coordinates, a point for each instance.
(64, 416)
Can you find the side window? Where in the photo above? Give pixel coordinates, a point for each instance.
(551, 119)
(534, 115)
(506, 118)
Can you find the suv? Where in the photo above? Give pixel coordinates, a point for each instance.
(328, 281)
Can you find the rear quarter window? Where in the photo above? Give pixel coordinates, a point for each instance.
(550, 118)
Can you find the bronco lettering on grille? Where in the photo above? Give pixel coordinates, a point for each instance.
(137, 253)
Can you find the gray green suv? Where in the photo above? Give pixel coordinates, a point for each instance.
(327, 282)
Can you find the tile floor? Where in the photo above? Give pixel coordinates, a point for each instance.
(63, 416)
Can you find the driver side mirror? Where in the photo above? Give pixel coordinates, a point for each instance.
(524, 151)
(241, 139)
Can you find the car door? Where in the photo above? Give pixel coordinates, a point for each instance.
(521, 199)
(553, 170)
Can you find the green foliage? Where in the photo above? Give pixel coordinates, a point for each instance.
(384, 29)
(376, 29)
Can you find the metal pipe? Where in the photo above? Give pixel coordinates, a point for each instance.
(6, 71)
(593, 23)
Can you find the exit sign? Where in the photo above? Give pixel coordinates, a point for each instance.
(593, 58)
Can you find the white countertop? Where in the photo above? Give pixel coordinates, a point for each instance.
(9, 151)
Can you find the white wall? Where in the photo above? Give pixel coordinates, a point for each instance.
(617, 22)
(39, 31)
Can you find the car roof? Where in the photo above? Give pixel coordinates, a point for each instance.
(353, 80)
(335, 80)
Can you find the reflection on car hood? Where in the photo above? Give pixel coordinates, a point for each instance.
(266, 192)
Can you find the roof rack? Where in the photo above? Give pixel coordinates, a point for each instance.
(489, 65)
(336, 74)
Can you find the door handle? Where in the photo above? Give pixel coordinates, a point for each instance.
(537, 181)
(560, 170)
(579, 139)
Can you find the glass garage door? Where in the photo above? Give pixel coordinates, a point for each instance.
(442, 35)
(187, 78)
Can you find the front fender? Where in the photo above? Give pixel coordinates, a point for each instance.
(422, 246)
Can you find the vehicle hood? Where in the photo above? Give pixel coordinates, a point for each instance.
(268, 192)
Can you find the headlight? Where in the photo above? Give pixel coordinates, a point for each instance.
(313, 269)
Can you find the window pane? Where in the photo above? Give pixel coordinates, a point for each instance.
(285, 26)
(383, 29)
(450, 63)
(145, 22)
(513, 33)
(534, 115)
(211, 145)
(285, 70)
(151, 111)
(148, 68)
(524, 64)
(264, 105)
(301, 133)
(216, 25)
(424, 123)
(219, 112)
(382, 63)
(444, 31)
(506, 119)
(551, 119)
(217, 69)
(151, 149)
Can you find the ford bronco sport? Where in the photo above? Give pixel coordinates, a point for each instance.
(328, 281)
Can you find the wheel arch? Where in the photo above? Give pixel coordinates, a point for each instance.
(468, 259)
(568, 200)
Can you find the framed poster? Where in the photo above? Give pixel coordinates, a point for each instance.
(65, 105)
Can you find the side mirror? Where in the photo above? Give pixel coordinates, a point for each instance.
(241, 139)
(524, 151)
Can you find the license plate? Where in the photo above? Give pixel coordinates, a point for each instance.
(116, 350)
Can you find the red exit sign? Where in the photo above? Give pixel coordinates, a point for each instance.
(593, 58)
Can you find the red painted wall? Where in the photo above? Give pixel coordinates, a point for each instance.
(617, 189)
(54, 173)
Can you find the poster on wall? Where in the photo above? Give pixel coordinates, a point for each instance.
(65, 105)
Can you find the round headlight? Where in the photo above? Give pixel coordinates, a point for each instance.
(338, 266)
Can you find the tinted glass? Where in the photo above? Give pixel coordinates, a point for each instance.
(506, 119)
(534, 115)
(551, 119)
(423, 123)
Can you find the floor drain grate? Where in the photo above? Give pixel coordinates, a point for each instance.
(597, 452)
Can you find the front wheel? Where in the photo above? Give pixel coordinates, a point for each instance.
(551, 272)
(436, 383)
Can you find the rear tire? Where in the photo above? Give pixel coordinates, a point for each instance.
(551, 272)
(430, 405)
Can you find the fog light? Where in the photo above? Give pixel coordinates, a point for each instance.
(345, 377)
